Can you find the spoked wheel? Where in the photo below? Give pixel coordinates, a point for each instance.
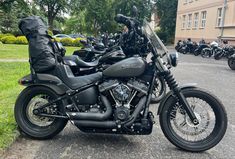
(159, 90)
(33, 125)
(231, 63)
(218, 56)
(206, 53)
(179, 129)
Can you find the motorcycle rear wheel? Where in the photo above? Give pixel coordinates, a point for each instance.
(36, 126)
(231, 63)
(180, 131)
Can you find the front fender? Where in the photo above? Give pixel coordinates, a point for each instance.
(169, 94)
(232, 57)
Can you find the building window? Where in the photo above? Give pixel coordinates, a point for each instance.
(196, 18)
(203, 19)
(190, 1)
(189, 21)
(183, 21)
(219, 17)
(185, 1)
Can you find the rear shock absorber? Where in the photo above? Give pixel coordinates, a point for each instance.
(171, 82)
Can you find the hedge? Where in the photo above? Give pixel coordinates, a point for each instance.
(8, 40)
(11, 39)
(70, 42)
(21, 40)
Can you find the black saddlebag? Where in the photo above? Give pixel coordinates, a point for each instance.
(41, 53)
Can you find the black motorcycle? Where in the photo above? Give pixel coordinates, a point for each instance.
(117, 100)
(224, 52)
(231, 62)
(202, 45)
(211, 50)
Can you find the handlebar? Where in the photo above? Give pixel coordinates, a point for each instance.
(124, 20)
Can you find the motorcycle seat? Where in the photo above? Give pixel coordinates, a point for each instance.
(64, 73)
(79, 62)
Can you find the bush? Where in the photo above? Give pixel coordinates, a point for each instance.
(8, 40)
(77, 42)
(21, 40)
(4, 35)
(50, 32)
(67, 41)
(57, 39)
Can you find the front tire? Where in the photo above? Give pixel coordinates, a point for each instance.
(206, 53)
(231, 63)
(218, 56)
(183, 133)
(32, 125)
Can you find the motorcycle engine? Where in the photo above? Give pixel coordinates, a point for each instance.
(123, 94)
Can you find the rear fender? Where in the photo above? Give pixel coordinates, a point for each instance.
(170, 94)
(46, 80)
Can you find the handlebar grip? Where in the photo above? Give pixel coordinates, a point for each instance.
(123, 20)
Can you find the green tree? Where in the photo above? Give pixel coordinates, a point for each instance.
(125, 7)
(166, 10)
(10, 13)
(54, 9)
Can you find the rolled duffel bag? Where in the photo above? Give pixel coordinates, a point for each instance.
(41, 54)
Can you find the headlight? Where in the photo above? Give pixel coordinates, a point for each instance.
(173, 59)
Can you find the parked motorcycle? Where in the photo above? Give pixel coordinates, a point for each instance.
(224, 52)
(231, 62)
(208, 52)
(117, 100)
(202, 44)
(189, 47)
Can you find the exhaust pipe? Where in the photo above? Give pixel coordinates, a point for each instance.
(95, 124)
(111, 124)
(93, 116)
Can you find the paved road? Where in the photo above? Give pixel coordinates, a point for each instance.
(71, 143)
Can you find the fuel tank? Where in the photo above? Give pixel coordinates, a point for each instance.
(113, 57)
(131, 67)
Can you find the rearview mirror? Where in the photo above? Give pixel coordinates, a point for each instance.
(134, 11)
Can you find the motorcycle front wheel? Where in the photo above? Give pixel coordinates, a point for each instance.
(179, 129)
(206, 53)
(34, 126)
(231, 63)
(218, 56)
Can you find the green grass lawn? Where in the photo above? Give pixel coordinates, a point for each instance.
(10, 73)
(12, 51)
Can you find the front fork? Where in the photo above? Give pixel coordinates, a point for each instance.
(171, 82)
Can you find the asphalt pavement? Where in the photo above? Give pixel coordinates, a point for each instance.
(209, 74)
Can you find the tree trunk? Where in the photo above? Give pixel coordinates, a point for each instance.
(50, 18)
(50, 23)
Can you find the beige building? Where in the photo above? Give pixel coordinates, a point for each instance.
(207, 19)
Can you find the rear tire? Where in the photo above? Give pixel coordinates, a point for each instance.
(170, 116)
(32, 125)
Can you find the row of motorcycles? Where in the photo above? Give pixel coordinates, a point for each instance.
(108, 89)
(207, 50)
